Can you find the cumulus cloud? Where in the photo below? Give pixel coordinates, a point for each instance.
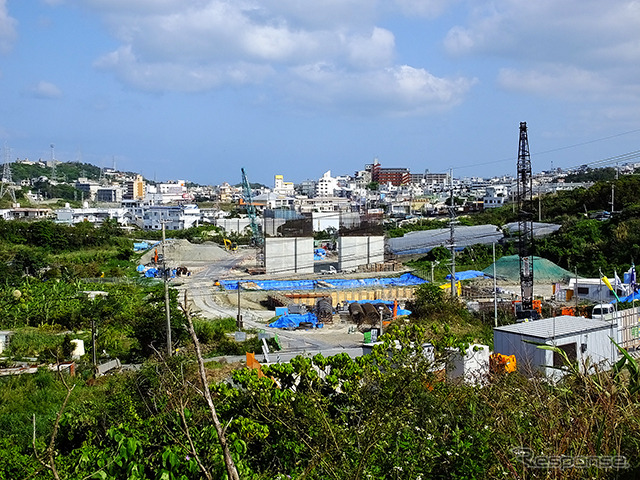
(7, 28)
(555, 48)
(195, 45)
(400, 90)
(45, 90)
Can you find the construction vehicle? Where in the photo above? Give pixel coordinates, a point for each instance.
(229, 245)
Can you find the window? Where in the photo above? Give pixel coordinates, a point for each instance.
(570, 350)
(583, 290)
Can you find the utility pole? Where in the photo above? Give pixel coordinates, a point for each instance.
(495, 288)
(167, 304)
(239, 317)
(452, 238)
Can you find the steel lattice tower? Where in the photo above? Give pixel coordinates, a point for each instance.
(7, 180)
(525, 222)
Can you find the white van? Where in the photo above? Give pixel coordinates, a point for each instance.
(603, 311)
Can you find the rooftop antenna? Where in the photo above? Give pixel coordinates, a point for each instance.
(6, 176)
(53, 163)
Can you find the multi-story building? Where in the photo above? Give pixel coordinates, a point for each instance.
(175, 217)
(326, 185)
(281, 187)
(109, 194)
(89, 188)
(393, 176)
(134, 188)
(496, 196)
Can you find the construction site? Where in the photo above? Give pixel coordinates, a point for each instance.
(340, 293)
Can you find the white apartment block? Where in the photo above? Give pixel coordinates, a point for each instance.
(496, 196)
(283, 188)
(175, 217)
(326, 185)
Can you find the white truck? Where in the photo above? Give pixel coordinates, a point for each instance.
(604, 311)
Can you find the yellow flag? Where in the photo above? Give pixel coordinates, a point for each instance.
(607, 283)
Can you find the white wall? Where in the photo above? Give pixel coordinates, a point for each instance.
(355, 251)
(288, 255)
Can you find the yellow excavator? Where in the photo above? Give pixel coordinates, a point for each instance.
(229, 245)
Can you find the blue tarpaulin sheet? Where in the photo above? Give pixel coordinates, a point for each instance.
(294, 320)
(137, 246)
(319, 254)
(407, 279)
(467, 274)
(151, 272)
(630, 298)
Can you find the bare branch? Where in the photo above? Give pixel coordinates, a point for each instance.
(232, 472)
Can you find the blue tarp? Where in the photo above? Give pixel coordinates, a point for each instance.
(151, 272)
(319, 254)
(407, 279)
(137, 246)
(140, 268)
(630, 298)
(467, 274)
(293, 320)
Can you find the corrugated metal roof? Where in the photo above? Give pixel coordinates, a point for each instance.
(561, 326)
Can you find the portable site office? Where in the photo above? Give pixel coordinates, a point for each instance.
(583, 340)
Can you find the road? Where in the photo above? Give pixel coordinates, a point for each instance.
(202, 296)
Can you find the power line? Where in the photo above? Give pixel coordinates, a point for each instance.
(553, 150)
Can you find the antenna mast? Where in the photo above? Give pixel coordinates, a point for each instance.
(7, 180)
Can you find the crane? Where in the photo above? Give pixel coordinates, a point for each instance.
(251, 210)
(525, 226)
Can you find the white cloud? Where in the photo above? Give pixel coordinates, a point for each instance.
(195, 45)
(401, 90)
(45, 90)
(556, 80)
(7, 28)
(555, 48)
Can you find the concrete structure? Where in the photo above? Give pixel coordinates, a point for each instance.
(88, 187)
(324, 220)
(96, 215)
(109, 194)
(5, 338)
(496, 196)
(283, 188)
(236, 225)
(288, 255)
(19, 213)
(472, 366)
(356, 251)
(326, 185)
(176, 217)
(585, 341)
(134, 188)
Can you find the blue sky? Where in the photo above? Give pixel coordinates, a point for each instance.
(196, 89)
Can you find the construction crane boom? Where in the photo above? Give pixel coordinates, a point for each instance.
(251, 210)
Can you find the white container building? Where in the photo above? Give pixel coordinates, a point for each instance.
(584, 340)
